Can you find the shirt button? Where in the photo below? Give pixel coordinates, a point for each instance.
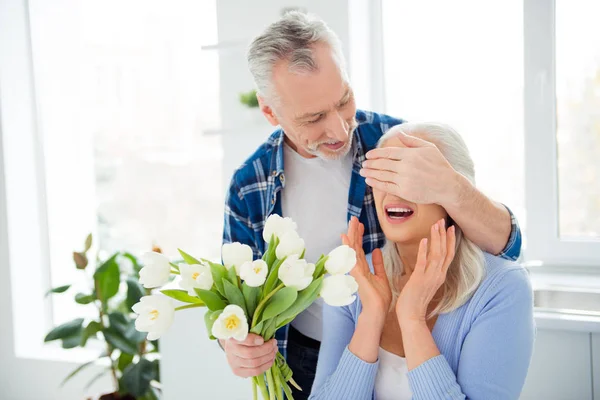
(274, 173)
(282, 178)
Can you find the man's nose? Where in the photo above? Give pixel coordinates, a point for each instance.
(337, 127)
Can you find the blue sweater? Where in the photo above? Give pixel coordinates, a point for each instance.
(485, 345)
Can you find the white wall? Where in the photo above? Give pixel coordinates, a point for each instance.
(190, 362)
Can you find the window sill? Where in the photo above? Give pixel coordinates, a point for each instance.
(53, 352)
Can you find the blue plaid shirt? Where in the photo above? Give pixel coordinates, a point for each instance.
(254, 194)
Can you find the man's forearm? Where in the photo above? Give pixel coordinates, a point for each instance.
(485, 222)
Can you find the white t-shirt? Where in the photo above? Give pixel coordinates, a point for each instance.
(391, 382)
(315, 196)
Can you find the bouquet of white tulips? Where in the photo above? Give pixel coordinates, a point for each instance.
(245, 295)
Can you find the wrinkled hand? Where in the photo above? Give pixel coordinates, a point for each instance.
(428, 276)
(418, 173)
(373, 289)
(252, 357)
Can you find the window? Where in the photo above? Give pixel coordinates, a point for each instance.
(562, 137)
(443, 64)
(125, 95)
(578, 118)
(521, 82)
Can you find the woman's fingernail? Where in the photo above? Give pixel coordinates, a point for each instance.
(443, 223)
(437, 227)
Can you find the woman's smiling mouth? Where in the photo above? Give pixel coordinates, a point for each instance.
(398, 213)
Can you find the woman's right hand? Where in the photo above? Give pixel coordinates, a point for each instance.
(373, 289)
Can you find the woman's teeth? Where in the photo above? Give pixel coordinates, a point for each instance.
(399, 212)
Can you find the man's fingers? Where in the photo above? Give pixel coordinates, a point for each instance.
(251, 340)
(382, 164)
(383, 186)
(383, 176)
(389, 153)
(258, 361)
(249, 372)
(412, 141)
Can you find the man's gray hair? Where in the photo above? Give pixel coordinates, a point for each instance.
(292, 39)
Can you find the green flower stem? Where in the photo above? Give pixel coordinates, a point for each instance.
(254, 387)
(271, 383)
(194, 305)
(263, 303)
(260, 382)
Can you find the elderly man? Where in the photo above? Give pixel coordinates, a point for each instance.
(319, 168)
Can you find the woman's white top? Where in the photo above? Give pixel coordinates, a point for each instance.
(391, 381)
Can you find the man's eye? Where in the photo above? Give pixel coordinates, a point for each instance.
(314, 121)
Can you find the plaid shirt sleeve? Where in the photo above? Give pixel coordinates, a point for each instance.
(237, 226)
(512, 250)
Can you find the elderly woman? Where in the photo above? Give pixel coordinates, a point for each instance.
(435, 318)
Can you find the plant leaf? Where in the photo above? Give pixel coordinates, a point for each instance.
(60, 289)
(135, 292)
(305, 298)
(181, 295)
(124, 360)
(90, 331)
(232, 276)
(235, 296)
(280, 302)
(72, 341)
(117, 340)
(81, 298)
(79, 369)
(88, 243)
(257, 329)
(187, 258)
(95, 378)
(211, 299)
(218, 273)
(65, 330)
(125, 326)
(136, 264)
(273, 277)
(209, 320)
(251, 295)
(136, 377)
(320, 266)
(107, 278)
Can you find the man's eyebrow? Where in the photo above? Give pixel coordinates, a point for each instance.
(311, 115)
(345, 97)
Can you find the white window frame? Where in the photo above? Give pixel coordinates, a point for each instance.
(542, 243)
(541, 167)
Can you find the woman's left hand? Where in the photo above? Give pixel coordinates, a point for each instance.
(428, 276)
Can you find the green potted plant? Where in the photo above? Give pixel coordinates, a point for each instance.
(249, 99)
(130, 359)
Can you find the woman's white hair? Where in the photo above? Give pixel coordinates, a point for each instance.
(291, 38)
(467, 269)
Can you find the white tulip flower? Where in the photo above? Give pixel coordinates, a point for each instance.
(156, 270)
(232, 323)
(296, 272)
(254, 273)
(155, 315)
(340, 260)
(278, 226)
(195, 276)
(236, 254)
(289, 243)
(339, 290)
